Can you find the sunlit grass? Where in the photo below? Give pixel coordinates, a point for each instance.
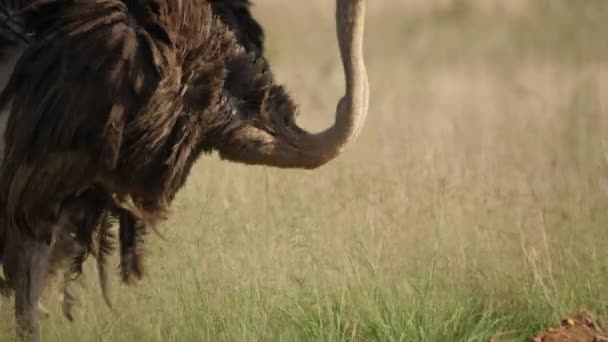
(474, 205)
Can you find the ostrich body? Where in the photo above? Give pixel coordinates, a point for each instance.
(94, 236)
(112, 102)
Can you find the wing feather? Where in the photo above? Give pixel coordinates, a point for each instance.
(68, 85)
(236, 14)
(85, 72)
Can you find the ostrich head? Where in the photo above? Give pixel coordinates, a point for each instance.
(271, 137)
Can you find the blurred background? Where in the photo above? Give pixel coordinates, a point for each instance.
(474, 206)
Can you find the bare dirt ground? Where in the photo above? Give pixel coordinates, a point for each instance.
(579, 327)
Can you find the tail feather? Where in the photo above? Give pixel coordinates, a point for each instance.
(105, 246)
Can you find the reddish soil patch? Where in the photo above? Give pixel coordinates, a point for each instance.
(579, 327)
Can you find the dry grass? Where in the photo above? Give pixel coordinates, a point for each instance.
(474, 205)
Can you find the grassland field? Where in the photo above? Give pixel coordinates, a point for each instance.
(473, 207)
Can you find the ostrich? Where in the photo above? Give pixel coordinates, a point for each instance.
(249, 34)
(97, 239)
(112, 102)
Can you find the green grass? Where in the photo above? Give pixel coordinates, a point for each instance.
(474, 205)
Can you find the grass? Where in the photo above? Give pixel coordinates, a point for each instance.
(474, 205)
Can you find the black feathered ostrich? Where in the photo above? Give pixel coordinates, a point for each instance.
(112, 102)
(94, 236)
(73, 244)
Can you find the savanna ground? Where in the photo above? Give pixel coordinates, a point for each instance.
(474, 205)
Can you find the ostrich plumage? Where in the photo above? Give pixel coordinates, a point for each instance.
(92, 230)
(113, 101)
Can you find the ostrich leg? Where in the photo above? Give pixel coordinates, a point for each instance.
(31, 268)
(67, 254)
